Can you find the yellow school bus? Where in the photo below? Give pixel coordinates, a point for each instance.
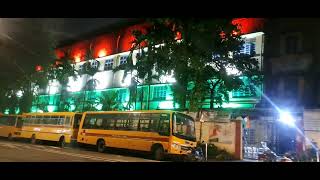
(10, 125)
(61, 127)
(160, 132)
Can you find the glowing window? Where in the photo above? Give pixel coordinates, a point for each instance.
(123, 59)
(159, 93)
(108, 64)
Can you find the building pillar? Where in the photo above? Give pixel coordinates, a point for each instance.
(238, 140)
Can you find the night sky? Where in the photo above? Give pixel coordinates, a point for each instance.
(25, 43)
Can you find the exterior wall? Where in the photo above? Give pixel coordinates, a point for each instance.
(222, 132)
(292, 70)
(312, 126)
(107, 80)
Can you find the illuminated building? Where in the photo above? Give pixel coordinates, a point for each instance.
(112, 48)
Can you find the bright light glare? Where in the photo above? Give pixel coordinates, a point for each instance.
(231, 70)
(53, 87)
(167, 79)
(75, 85)
(166, 105)
(127, 81)
(51, 108)
(19, 93)
(286, 118)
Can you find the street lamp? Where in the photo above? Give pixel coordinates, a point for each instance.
(286, 118)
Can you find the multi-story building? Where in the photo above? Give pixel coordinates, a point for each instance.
(111, 48)
(292, 70)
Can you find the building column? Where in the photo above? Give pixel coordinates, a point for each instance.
(238, 140)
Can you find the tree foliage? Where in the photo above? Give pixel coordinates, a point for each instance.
(200, 61)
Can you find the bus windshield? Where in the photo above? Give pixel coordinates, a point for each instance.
(184, 127)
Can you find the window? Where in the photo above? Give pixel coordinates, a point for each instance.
(27, 120)
(248, 48)
(133, 121)
(144, 122)
(80, 68)
(99, 123)
(184, 127)
(154, 122)
(159, 93)
(7, 121)
(122, 95)
(67, 122)
(108, 64)
(89, 122)
(109, 123)
(243, 91)
(164, 124)
(52, 120)
(60, 120)
(123, 59)
(291, 44)
(121, 122)
(94, 64)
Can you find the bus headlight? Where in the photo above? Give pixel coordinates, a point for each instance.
(175, 146)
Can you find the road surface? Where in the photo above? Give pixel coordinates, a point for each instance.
(17, 151)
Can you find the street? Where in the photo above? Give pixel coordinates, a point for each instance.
(17, 151)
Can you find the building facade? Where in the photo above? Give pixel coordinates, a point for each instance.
(111, 49)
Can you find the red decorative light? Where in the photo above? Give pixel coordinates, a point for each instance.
(104, 45)
(127, 38)
(79, 50)
(248, 25)
(59, 53)
(102, 53)
(235, 33)
(222, 35)
(77, 58)
(178, 36)
(39, 68)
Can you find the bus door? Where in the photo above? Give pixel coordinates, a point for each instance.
(76, 123)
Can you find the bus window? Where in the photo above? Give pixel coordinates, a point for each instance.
(99, 123)
(67, 121)
(11, 120)
(40, 120)
(164, 124)
(133, 121)
(7, 121)
(89, 122)
(144, 122)
(121, 121)
(154, 122)
(109, 122)
(53, 120)
(61, 120)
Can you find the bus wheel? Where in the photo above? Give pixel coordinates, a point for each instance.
(33, 139)
(10, 137)
(101, 146)
(158, 153)
(62, 142)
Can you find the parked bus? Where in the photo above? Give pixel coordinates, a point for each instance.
(61, 127)
(10, 125)
(160, 132)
